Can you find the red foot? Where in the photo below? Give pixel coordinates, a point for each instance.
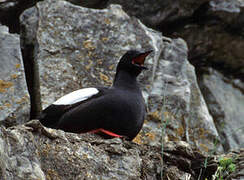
(105, 132)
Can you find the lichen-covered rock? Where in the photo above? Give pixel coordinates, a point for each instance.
(81, 50)
(78, 47)
(32, 152)
(11, 10)
(226, 104)
(14, 98)
(176, 100)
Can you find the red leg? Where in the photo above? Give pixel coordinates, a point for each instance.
(110, 133)
(94, 131)
(105, 132)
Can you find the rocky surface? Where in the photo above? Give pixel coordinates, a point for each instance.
(175, 99)
(67, 47)
(238, 159)
(71, 56)
(14, 97)
(32, 152)
(159, 13)
(207, 26)
(226, 103)
(10, 10)
(197, 22)
(213, 30)
(215, 38)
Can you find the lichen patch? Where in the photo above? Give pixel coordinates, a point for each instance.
(4, 85)
(105, 78)
(17, 66)
(88, 45)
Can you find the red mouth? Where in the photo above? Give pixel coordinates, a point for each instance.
(139, 60)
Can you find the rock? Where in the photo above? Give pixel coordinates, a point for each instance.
(176, 100)
(14, 104)
(74, 51)
(212, 29)
(80, 52)
(226, 103)
(158, 13)
(237, 157)
(32, 152)
(228, 44)
(75, 47)
(215, 37)
(10, 10)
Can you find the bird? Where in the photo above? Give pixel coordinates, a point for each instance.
(116, 111)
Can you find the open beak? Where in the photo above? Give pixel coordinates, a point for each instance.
(139, 60)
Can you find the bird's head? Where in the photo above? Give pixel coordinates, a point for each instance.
(133, 61)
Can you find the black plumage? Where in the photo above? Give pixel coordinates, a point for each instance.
(119, 109)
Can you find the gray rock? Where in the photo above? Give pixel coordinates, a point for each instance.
(82, 50)
(32, 152)
(231, 6)
(212, 29)
(78, 47)
(215, 37)
(157, 13)
(226, 104)
(215, 40)
(10, 10)
(176, 99)
(14, 97)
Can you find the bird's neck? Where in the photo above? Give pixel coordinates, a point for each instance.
(126, 80)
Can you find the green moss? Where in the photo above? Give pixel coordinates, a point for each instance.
(226, 166)
(231, 168)
(225, 162)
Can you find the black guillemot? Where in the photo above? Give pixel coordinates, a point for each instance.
(117, 111)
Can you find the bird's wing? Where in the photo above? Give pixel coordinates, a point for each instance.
(76, 96)
(87, 116)
(52, 114)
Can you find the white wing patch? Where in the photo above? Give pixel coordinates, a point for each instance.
(76, 96)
